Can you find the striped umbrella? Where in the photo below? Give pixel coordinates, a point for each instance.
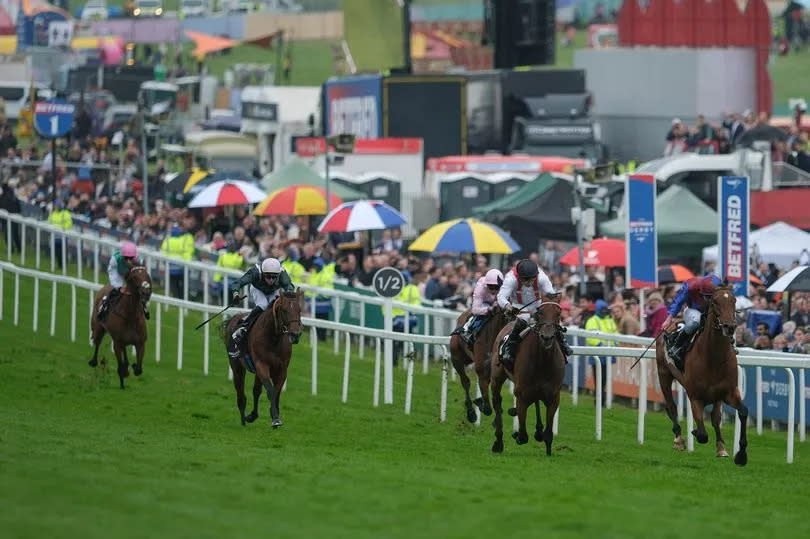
(227, 193)
(673, 273)
(195, 177)
(465, 236)
(296, 200)
(361, 215)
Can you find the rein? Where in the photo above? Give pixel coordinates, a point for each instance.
(280, 318)
(718, 324)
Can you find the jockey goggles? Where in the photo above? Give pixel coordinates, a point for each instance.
(271, 276)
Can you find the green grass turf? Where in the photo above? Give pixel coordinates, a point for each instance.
(373, 30)
(167, 457)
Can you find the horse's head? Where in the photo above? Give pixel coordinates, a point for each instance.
(722, 305)
(139, 283)
(288, 315)
(548, 317)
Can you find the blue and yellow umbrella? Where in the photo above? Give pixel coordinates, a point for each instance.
(465, 236)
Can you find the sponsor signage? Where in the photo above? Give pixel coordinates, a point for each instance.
(733, 208)
(354, 106)
(642, 238)
(537, 134)
(260, 111)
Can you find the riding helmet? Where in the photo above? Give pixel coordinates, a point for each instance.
(708, 284)
(129, 250)
(493, 278)
(271, 265)
(526, 269)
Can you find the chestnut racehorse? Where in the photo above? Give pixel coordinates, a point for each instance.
(710, 375)
(462, 355)
(538, 376)
(125, 321)
(269, 346)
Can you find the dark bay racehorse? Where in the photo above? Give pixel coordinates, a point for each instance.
(710, 375)
(269, 346)
(125, 321)
(461, 355)
(538, 376)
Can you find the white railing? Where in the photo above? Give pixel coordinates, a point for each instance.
(760, 359)
(437, 321)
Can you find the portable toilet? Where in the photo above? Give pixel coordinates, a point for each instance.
(460, 192)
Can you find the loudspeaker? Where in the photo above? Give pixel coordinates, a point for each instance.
(522, 32)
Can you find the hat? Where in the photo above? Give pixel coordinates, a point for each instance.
(600, 305)
(655, 296)
(318, 261)
(676, 121)
(175, 232)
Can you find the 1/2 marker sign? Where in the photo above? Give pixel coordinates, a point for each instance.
(388, 282)
(53, 119)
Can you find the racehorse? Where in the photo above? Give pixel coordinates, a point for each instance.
(710, 375)
(461, 355)
(125, 321)
(538, 376)
(269, 347)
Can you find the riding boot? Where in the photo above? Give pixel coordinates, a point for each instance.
(567, 350)
(107, 302)
(244, 326)
(678, 348)
(508, 348)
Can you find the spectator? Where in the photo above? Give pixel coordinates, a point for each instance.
(801, 313)
(801, 342)
(321, 275)
(347, 267)
(600, 321)
(656, 313)
(10, 203)
(780, 343)
(763, 339)
(230, 259)
(60, 218)
(366, 273)
(179, 244)
(625, 323)
(433, 285)
(743, 336)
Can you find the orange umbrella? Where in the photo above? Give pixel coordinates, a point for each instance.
(297, 200)
(207, 43)
(673, 273)
(754, 279)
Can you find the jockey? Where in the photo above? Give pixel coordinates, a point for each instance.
(693, 294)
(520, 293)
(267, 281)
(485, 298)
(121, 261)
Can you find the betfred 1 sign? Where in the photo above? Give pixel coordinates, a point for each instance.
(53, 119)
(733, 208)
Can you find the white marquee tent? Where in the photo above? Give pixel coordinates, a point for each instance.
(778, 243)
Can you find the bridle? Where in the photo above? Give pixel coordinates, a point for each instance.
(280, 316)
(718, 324)
(541, 324)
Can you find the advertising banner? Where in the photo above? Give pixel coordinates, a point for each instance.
(733, 208)
(775, 392)
(642, 237)
(354, 105)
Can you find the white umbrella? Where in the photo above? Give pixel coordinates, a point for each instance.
(796, 280)
(227, 193)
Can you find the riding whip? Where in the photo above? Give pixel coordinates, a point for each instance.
(233, 303)
(648, 347)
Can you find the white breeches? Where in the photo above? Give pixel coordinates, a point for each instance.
(691, 320)
(260, 299)
(116, 281)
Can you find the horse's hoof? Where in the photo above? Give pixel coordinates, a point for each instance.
(741, 458)
(679, 444)
(722, 453)
(512, 412)
(520, 439)
(702, 439)
(137, 370)
(497, 446)
(487, 409)
(93, 362)
(277, 423)
(251, 417)
(538, 435)
(471, 415)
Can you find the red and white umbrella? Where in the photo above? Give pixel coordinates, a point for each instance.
(361, 215)
(227, 193)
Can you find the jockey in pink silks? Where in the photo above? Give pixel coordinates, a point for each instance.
(485, 298)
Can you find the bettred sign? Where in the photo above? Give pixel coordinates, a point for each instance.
(313, 146)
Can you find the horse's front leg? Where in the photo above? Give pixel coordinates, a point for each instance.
(483, 371)
(257, 393)
(121, 355)
(697, 413)
(263, 374)
(275, 407)
(718, 436)
(457, 356)
(239, 386)
(137, 369)
(521, 436)
(665, 378)
(538, 425)
(735, 401)
(551, 410)
(497, 402)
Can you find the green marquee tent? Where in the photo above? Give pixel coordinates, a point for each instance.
(296, 172)
(685, 224)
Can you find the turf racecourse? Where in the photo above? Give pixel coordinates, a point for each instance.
(167, 457)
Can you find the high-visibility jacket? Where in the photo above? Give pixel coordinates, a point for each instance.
(322, 279)
(229, 261)
(295, 270)
(409, 294)
(605, 325)
(62, 219)
(179, 247)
